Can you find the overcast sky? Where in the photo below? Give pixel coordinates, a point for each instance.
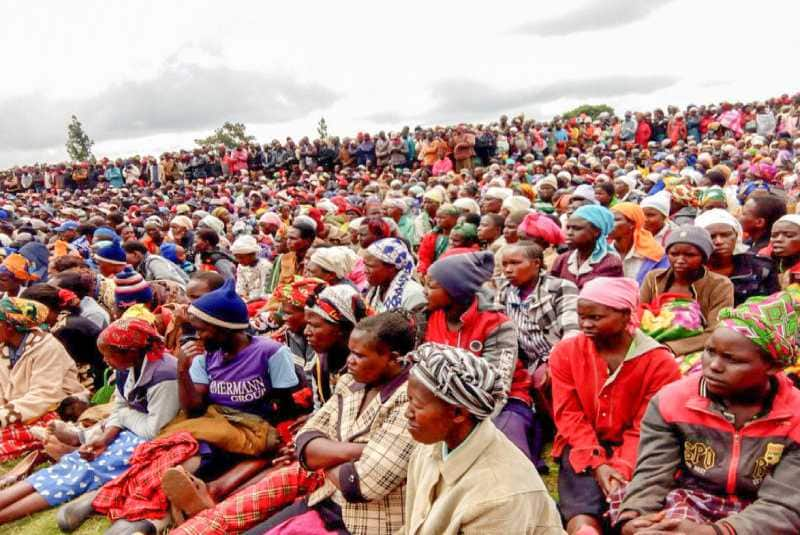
(146, 76)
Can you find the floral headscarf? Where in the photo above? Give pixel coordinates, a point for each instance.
(769, 322)
(23, 314)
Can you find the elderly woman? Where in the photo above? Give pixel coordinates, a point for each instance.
(180, 231)
(389, 266)
(435, 243)
(252, 273)
(589, 256)
(602, 381)
(718, 453)
(688, 249)
(751, 275)
(639, 250)
(461, 454)
(146, 400)
(36, 373)
(353, 452)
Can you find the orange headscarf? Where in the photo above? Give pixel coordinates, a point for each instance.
(643, 241)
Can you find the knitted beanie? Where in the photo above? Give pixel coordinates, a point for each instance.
(223, 307)
(697, 236)
(112, 253)
(461, 275)
(131, 288)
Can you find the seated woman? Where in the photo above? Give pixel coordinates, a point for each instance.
(544, 310)
(464, 235)
(751, 275)
(435, 243)
(462, 314)
(720, 449)
(784, 246)
(293, 299)
(81, 282)
(16, 272)
(146, 400)
(688, 250)
(640, 252)
(356, 445)
(36, 373)
(332, 264)
(602, 381)
(589, 256)
(78, 335)
(461, 454)
(389, 267)
(656, 210)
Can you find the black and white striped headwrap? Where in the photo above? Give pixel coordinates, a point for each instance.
(458, 377)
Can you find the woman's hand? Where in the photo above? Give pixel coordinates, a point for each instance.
(93, 449)
(608, 478)
(286, 455)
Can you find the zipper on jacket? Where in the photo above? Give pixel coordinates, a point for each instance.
(734, 465)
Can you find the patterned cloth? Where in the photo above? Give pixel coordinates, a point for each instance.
(458, 377)
(255, 503)
(769, 322)
(394, 252)
(16, 439)
(22, 314)
(72, 476)
(337, 303)
(543, 317)
(136, 494)
(133, 333)
(687, 504)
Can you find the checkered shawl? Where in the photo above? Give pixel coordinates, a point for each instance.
(136, 494)
(16, 439)
(255, 503)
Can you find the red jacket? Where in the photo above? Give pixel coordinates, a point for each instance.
(594, 410)
(487, 332)
(427, 252)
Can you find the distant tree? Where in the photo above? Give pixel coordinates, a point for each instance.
(322, 128)
(229, 134)
(79, 145)
(589, 109)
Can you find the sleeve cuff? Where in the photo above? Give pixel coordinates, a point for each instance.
(300, 443)
(350, 484)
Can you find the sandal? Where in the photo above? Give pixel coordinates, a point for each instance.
(187, 494)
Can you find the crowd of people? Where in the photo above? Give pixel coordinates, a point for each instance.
(385, 334)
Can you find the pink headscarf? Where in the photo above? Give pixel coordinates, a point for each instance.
(620, 293)
(536, 225)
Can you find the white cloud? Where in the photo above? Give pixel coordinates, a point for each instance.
(147, 76)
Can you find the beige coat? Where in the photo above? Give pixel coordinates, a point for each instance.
(43, 376)
(485, 486)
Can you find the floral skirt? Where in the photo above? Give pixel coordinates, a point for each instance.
(72, 476)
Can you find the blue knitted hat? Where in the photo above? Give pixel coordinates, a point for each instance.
(131, 288)
(222, 307)
(112, 253)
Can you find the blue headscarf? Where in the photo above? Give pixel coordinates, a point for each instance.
(602, 219)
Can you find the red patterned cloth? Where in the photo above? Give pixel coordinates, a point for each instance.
(687, 504)
(16, 439)
(255, 503)
(136, 494)
(132, 333)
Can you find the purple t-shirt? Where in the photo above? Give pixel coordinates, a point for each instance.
(246, 381)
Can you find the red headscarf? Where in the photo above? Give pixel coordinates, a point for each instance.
(536, 225)
(128, 333)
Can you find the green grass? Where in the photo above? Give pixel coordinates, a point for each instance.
(44, 523)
